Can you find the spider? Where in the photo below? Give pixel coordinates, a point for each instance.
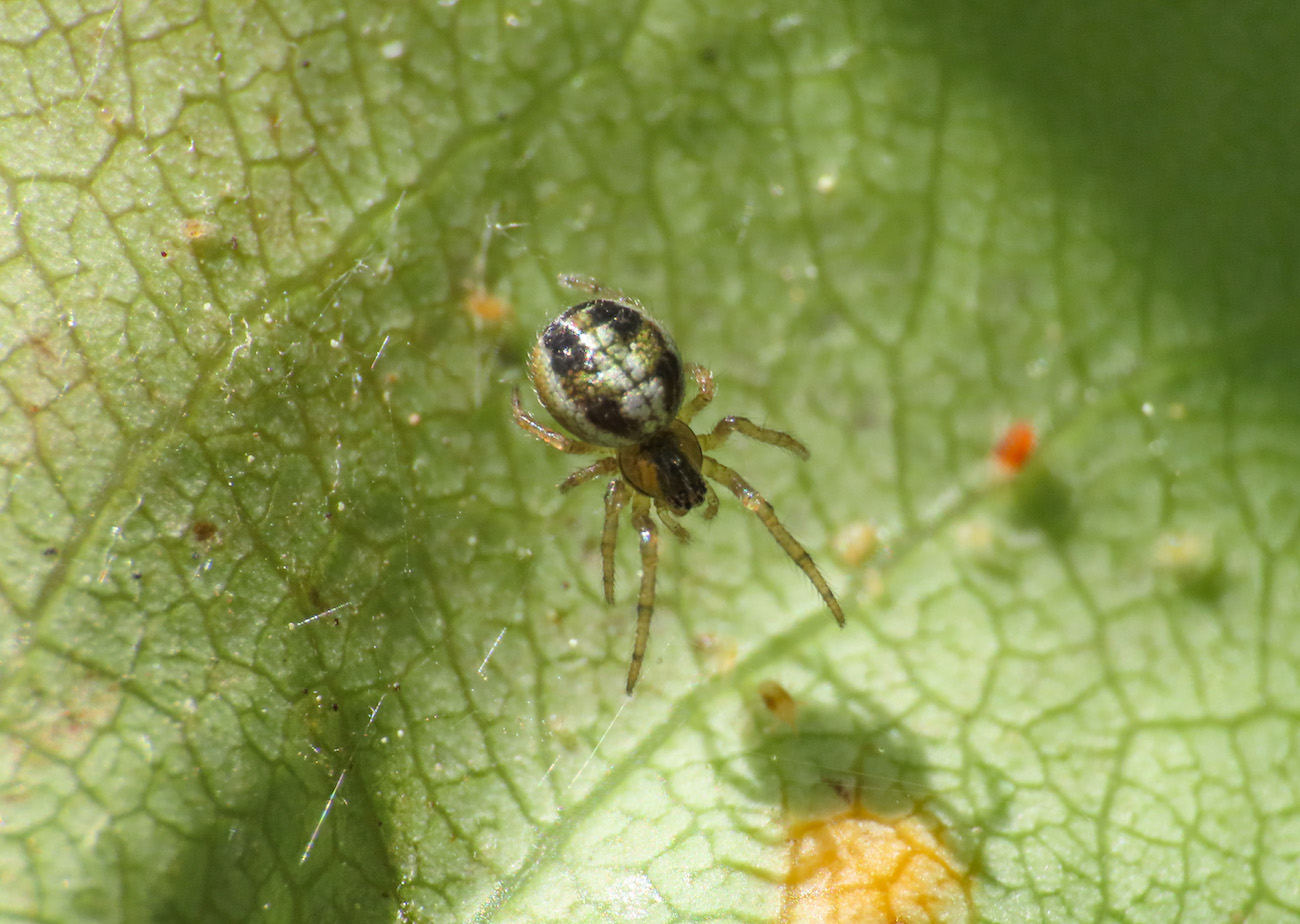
(612, 376)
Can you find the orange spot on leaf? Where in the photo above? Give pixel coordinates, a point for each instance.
(1016, 446)
(853, 866)
(485, 308)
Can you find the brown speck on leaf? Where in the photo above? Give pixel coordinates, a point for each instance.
(778, 701)
(840, 788)
(204, 530)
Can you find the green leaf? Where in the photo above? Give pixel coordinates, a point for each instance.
(294, 625)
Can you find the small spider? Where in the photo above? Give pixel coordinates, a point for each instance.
(611, 375)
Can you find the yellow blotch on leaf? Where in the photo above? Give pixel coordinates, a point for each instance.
(856, 543)
(721, 652)
(855, 868)
(195, 230)
(486, 309)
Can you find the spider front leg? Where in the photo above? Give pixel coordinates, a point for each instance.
(729, 425)
(645, 604)
(580, 283)
(704, 382)
(757, 503)
(552, 438)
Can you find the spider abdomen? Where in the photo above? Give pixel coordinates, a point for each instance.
(609, 373)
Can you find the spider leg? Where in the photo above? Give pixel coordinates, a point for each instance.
(600, 290)
(645, 604)
(616, 495)
(704, 382)
(552, 438)
(729, 425)
(755, 502)
(583, 475)
(674, 525)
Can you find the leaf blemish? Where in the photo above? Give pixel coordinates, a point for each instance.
(204, 530)
(856, 865)
(778, 701)
(1190, 558)
(1016, 447)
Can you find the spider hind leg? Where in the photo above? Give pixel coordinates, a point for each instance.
(616, 495)
(645, 604)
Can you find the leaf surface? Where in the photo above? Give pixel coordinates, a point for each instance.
(294, 625)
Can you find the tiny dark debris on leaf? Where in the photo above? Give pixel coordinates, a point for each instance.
(204, 530)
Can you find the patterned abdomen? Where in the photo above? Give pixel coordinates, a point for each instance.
(609, 373)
